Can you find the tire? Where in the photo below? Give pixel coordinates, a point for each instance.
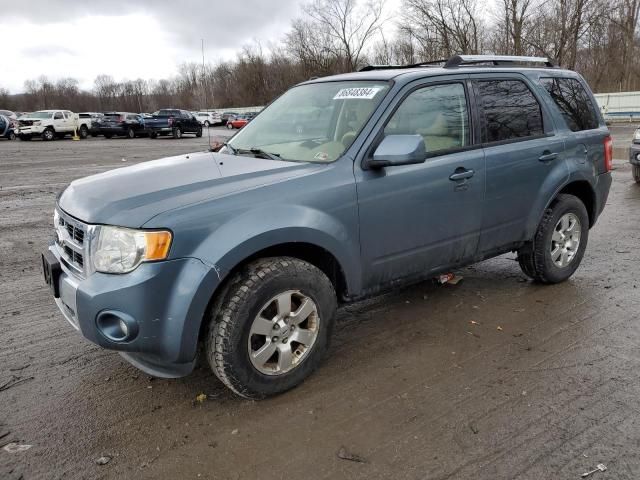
(83, 132)
(177, 132)
(199, 132)
(636, 173)
(12, 136)
(108, 135)
(229, 126)
(153, 135)
(131, 134)
(251, 293)
(206, 123)
(48, 134)
(536, 258)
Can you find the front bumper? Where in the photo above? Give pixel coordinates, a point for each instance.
(634, 154)
(30, 131)
(167, 300)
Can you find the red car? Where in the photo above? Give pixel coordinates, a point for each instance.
(239, 121)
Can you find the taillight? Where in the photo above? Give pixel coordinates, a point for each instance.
(170, 121)
(608, 153)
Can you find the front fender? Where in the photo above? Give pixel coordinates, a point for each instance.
(261, 228)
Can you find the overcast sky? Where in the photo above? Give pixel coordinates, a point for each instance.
(129, 39)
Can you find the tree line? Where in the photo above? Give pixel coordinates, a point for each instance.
(598, 38)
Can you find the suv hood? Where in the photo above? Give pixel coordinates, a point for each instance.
(131, 196)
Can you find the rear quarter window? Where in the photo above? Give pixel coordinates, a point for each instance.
(574, 103)
(508, 110)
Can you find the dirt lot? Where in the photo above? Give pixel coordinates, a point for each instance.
(543, 385)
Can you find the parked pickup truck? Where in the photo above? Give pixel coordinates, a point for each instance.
(172, 122)
(248, 251)
(52, 124)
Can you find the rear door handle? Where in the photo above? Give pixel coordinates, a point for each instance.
(547, 156)
(461, 174)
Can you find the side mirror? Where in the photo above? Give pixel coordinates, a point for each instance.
(399, 150)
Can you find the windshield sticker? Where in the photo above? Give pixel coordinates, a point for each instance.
(322, 156)
(366, 93)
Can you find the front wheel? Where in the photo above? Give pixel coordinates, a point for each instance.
(271, 327)
(199, 132)
(636, 173)
(84, 132)
(206, 123)
(12, 136)
(229, 126)
(559, 244)
(48, 134)
(177, 132)
(131, 133)
(153, 135)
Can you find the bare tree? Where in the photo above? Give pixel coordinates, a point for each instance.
(346, 26)
(443, 27)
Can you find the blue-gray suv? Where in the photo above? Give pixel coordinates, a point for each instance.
(387, 176)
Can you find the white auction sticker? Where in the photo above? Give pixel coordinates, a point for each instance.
(366, 93)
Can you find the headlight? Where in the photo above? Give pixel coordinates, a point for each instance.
(636, 136)
(121, 250)
(37, 122)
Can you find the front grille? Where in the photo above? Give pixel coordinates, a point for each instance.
(70, 242)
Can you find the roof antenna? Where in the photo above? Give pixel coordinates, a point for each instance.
(204, 86)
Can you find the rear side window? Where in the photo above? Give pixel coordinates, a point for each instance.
(438, 113)
(573, 101)
(509, 110)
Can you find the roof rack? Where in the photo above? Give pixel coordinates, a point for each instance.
(467, 60)
(496, 60)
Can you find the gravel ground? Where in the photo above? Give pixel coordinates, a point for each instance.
(494, 378)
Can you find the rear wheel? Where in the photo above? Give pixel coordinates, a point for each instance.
(206, 123)
(177, 132)
(48, 134)
(84, 131)
(636, 173)
(271, 327)
(131, 133)
(559, 243)
(199, 132)
(229, 126)
(12, 136)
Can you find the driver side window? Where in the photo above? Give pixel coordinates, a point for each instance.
(438, 113)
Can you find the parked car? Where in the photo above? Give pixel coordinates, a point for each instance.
(226, 115)
(92, 119)
(239, 121)
(208, 119)
(7, 127)
(9, 114)
(634, 156)
(122, 124)
(171, 121)
(248, 251)
(51, 124)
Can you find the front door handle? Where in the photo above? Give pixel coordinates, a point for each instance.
(547, 156)
(461, 174)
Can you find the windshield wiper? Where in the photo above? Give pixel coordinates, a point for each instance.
(258, 151)
(228, 146)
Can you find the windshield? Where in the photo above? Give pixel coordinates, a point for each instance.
(40, 115)
(311, 123)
